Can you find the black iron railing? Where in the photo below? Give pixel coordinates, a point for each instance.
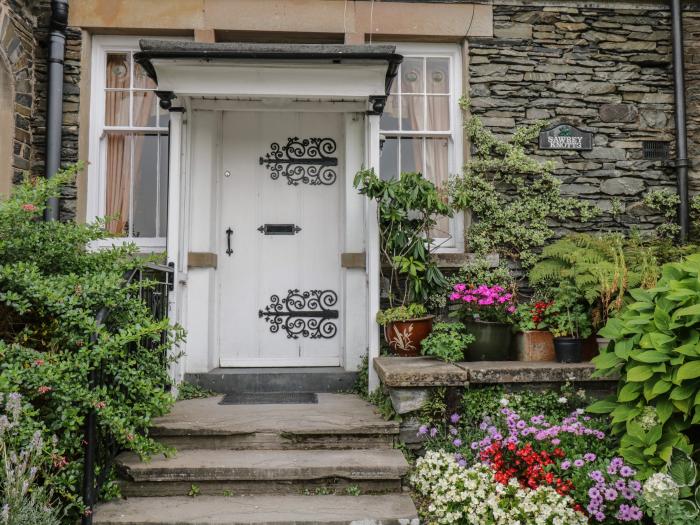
(159, 281)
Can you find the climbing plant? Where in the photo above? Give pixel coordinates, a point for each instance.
(513, 197)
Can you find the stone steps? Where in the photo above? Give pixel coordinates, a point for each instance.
(216, 472)
(338, 421)
(392, 509)
(326, 463)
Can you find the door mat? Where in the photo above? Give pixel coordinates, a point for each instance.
(270, 398)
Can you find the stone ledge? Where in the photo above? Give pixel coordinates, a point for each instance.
(402, 372)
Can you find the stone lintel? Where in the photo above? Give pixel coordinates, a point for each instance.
(406, 372)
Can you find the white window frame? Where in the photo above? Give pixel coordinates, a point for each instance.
(454, 136)
(97, 161)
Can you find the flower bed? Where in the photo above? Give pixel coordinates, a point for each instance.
(535, 457)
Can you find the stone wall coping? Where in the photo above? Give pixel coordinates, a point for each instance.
(397, 372)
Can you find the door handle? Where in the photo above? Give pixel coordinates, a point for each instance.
(229, 250)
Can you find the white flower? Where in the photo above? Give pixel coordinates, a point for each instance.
(562, 400)
(504, 402)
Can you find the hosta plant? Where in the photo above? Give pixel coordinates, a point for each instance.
(670, 497)
(656, 351)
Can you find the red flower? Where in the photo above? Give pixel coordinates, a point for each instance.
(38, 362)
(28, 207)
(44, 389)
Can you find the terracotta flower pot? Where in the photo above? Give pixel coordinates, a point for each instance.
(535, 345)
(404, 337)
(492, 341)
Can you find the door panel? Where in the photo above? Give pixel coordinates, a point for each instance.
(280, 293)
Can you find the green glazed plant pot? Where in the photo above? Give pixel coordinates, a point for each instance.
(568, 349)
(491, 341)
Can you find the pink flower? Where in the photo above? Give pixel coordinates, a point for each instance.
(455, 296)
(28, 207)
(44, 389)
(100, 404)
(59, 461)
(511, 309)
(38, 362)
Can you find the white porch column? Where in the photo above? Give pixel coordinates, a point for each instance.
(174, 256)
(372, 228)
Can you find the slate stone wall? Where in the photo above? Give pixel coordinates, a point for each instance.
(24, 32)
(603, 69)
(17, 51)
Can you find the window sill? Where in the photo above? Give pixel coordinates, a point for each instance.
(144, 245)
(457, 260)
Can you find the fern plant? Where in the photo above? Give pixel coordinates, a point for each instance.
(601, 268)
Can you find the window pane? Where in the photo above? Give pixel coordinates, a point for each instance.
(412, 113)
(412, 75)
(145, 185)
(117, 108)
(411, 155)
(390, 118)
(389, 159)
(118, 71)
(436, 169)
(144, 109)
(437, 79)
(141, 79)
(438, 118)
(163, 117)
(118, 182)
(163, 187)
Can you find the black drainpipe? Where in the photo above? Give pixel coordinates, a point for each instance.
(681, 162)
(54, 98)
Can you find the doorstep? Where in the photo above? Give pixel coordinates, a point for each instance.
(407, 372)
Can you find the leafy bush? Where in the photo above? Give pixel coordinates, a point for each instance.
(512, 197)
(401, 313)
(568, 315)
(51, 288)
(656, 341)
(408, 208)
(447, 341)
(668, 496)
(534, 315)
(22, 500)
(601, 269)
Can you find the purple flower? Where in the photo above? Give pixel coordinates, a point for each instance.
(454, 418)
(635, 485)
(593, 493)
(610, 494)
(457, 442)
(520, 425)
(556, 441)
(422, 430)
(628, 494)
(579, 463)
(596, 475)
(635, 513)
(599, 516)
(565, 465)
(453, 431)
(589, 457)
(462, 462)
(433, 432)
(626, 471)
(474, 445)
(620, 484)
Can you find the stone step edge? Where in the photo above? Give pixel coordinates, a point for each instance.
(392, 509)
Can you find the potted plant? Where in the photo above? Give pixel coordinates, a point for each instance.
(447, 341)
(407, 212)
(487, 313)
(405, 327)
(533, 340)
(602, 268)
(570, 325)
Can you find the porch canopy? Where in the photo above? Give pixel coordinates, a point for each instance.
(297, 71)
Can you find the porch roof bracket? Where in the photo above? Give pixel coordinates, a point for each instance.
(187, 68)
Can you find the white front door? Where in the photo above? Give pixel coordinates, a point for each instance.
(279, 239)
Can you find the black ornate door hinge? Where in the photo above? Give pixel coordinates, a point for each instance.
(303, 314)
(305, 161)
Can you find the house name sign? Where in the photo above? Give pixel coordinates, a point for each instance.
(565, 136)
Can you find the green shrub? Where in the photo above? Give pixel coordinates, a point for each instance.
(407, 211)
(401, 313)
(51, 288)
(655, 347)
(601, 268)
(447, 341)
